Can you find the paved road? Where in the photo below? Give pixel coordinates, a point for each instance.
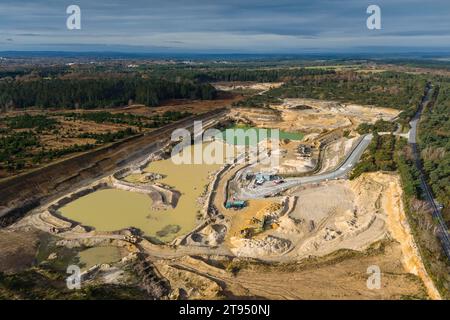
(269, 188)
(442, 226)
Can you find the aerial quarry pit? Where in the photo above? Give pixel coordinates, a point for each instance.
(186, 226)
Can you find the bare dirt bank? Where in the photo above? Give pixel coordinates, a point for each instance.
(400, 230)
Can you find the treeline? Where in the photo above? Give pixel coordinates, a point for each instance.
(50, 154)
(421, 220)
(258, 101)
(379, 126)
(20, 148)
(105, 117)
(407, 169)
(109, 136)
(383, 89)
(434, 140)
(94, 93)
(406, 115)
(261, 75)
(34, 72)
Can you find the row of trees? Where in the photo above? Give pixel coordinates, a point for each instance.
(407, 169)
(108, 137)
(155, 121)
(434, 134)
(93, 93)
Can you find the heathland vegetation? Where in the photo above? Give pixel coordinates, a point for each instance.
(155, 121)
(23, 137)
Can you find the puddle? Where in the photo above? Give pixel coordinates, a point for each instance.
(98, 255)
(59, 257)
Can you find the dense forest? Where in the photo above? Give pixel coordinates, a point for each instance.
(261, 75)
(389, 153)
(434, 134)
(92, 93)
(383, 89)
(379, 156)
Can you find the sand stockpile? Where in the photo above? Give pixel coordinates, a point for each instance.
(267, 246)
(350, 218)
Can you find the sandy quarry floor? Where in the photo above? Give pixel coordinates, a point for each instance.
(341, 275)
(318, 116)
(338, 215)
(239, 85)
(290, 160)
(332, 216)
(360, 224)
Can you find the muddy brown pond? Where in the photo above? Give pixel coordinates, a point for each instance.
(114, 209)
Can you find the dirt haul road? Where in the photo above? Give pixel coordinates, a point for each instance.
(270, 188)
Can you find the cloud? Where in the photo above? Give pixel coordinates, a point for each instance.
(241, 26)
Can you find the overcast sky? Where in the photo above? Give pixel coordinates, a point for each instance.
(244, 26)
